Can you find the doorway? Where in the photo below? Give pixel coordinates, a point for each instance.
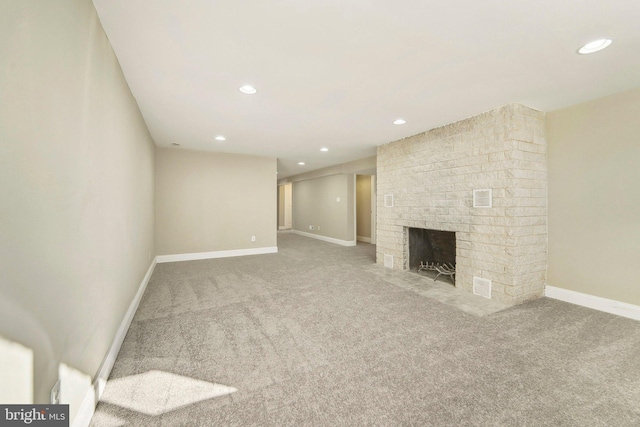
(366, 208)
(285, 206)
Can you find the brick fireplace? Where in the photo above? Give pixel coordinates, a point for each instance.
(427, 181)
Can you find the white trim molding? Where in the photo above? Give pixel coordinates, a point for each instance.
(327, 239)
(110, 358)
(363, 239)
(216, 254)
(88, 405)
(602, 304)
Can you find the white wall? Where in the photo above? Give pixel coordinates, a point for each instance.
(76, 199)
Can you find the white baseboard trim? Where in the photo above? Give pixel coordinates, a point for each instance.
(88, 406)
(216, 254)
(326, 239)
(602, 304)
(363, 239)
(86, 410)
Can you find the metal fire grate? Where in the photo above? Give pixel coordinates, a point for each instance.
(442, 269)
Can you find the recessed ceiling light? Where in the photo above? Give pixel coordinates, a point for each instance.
(301, 163)
(324, 149)
(220, 138)
(594, 46)
(249, 90)
(399, 122)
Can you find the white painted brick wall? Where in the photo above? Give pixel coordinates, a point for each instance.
(432, 177)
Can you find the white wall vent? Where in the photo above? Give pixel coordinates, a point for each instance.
(388, 200)
(482, 198)
(388, 261)
(482, 287)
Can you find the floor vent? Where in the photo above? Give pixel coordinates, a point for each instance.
(482, 287)
(388, 261)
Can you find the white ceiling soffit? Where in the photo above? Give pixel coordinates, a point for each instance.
(337, 73)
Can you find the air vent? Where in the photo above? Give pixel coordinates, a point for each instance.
(482, 287)
(482, 198)
(388, 261)
(388, 200)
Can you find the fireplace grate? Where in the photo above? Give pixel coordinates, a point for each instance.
(442, 269)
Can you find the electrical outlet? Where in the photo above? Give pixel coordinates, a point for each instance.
(253, 238)
(55, 393)
(311, 227)
(337, 199)
(318, 228)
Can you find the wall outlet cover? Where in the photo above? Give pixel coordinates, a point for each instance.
(311, 227)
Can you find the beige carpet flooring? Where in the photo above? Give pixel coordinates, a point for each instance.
(318, 336)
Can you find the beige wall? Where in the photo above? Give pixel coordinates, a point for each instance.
(281, 195)
(594, 197)
(76, 199)
(363, 206)
(366, 166)
(207, 202)
(315, 203)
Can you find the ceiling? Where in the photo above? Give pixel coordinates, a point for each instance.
(336, 73)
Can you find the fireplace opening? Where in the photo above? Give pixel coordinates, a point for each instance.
(433, 252)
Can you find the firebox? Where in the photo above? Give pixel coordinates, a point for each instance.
(433, 250)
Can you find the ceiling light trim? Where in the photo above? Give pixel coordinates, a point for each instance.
(595, 46)
(248, 89)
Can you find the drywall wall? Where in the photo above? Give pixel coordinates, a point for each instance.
(363, 207)
(366, 166)
(76, 200)
(288, 207)
(208, 202)
(281, 196)
(594, 197)
(327, 203)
